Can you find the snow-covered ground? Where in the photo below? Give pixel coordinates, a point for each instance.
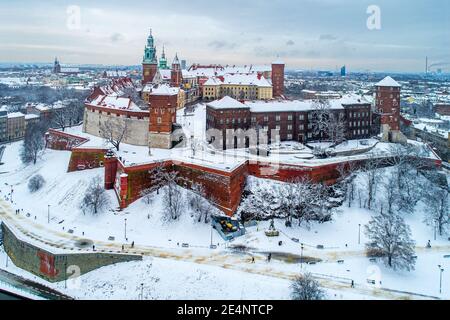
(199, 272)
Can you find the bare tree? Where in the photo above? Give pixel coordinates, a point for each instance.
(148, 195)
(390, 193)
(115, 131)
(33, 143)
(200, 204)
(95, 199)
(305, 287)
(371, 175)
(390, 237)
(437, 201)
(60, 118)
(336, 127)
(173, 201)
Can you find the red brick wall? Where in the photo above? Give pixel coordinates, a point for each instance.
(278, 79)
(148, 72)
(163, 107)
(388, 103)
(89, 158)
(58, 140)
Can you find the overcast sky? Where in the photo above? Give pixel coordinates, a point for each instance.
(306, 34)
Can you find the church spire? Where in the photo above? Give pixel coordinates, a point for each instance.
(150, 50)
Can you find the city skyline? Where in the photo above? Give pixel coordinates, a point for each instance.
(305, 34)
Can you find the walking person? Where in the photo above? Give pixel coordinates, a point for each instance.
(132, 244)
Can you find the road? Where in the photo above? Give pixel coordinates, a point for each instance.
(226, 259)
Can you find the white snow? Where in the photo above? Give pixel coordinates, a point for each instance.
(388, 82)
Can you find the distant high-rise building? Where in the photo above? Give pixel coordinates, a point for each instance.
(183, 64)
(343, 71)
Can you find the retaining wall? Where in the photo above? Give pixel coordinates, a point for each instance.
(52, 267)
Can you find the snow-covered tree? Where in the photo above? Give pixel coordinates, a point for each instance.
(328, 123)
(390, 237)
(158, 176)
(95, 198)
(36, 183)
(33, 143)
(305, 287)
(260, 202)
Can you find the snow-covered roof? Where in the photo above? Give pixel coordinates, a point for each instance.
(70, 70)
(15, 115)
(165, 90)
(388, 82)
(31, 116)
(278, 61)
(227, 103)
(249, 79)
(165, 74)
(285, 105)
(114, 102)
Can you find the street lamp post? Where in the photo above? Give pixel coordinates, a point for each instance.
(65, 272)
(142, 291)
(441, 270)
(125, 229)
(359, 233)
(301, 257)
(435, 229)
(48, 214)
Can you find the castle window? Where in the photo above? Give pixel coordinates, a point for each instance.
(159, 120)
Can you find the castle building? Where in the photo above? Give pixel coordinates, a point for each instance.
(163, 110)
(176, 75)
(292, 120)
(251, 86)
(387, 102)
(278, 78)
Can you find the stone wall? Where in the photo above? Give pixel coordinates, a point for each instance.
(136, 123)
(52, 267)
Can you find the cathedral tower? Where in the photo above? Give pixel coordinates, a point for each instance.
(150, 61)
